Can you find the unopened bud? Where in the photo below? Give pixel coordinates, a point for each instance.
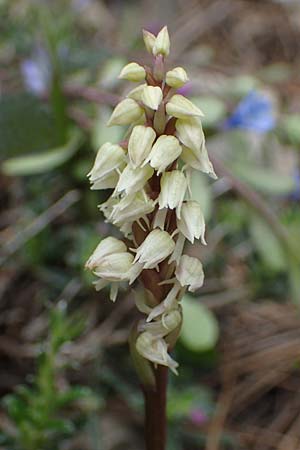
(115, 267)
(157, 246)
(152, 96)
(165, 150)
(180, 107)
(140, 144)
(171, 320)
(189, 272)
(133, 72)
(126, 112)
(136, 93)
(106, 247)
(133, 179)
(149, 40)
(173, 187)
(190, 132)
(110, 157)
(162, 43)
(191, 223)
(177, 77)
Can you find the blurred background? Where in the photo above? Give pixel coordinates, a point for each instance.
(66, 379)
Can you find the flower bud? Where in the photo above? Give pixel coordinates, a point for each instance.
(198, 160)
(171, 320)
(190, 132)
(152, 96)
(189, 272)
(165, 150)
(155, 349)
(173, 187)
(149, 40)
(132, 180)
(133, 72)
(157, 246)
(136, 93)
(109, 158)
(126, 112)
(180, 107)
(106, 247)
(191, 223)
(140, 143)
(177, 77)
(162, 43)
(115, 267)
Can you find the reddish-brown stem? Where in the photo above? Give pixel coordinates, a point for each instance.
(155, 411)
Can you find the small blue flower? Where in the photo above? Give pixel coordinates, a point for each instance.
(296, 193)
(254, 113)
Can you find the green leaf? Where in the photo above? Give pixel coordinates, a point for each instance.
(265, 180)
(267, 244)
(214, 110)
(26, 125)
(43, 162)
(200, 329)
(290, 126)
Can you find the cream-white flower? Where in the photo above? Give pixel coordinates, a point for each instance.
(126, 112)
(129, 209)
(189, 272)
(133, 72)
(173, 187)
(140, 144)
(115, 267)
(152, 96)
(191, 223)
(176, 77)
(133, 179)
(157, 246)
(106, 247)
(190, 133)
(165, 150)
(110, 157)
(180, 107)
(198, 160)
(149, 40)
(136, 93)
(156, 350)
(108, 181)
(162, 43)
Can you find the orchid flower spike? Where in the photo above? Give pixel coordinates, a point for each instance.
(150, 204)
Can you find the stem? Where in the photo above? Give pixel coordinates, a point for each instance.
(155, 411)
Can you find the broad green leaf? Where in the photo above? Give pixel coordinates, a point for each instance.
(265, 180)
(267, 244)
(200, 329)
(291, 128)
(214, 110)
(26, 125)
(43, 162)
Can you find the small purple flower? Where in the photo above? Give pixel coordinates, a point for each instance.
(186, 89)
(36, 72)
(296, 193)
(197, 417)
(254, 113)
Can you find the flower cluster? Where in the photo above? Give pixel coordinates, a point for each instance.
(150, 174)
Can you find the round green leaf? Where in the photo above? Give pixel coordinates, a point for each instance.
(200, 329)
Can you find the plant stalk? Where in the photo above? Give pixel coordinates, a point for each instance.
(155, 411)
